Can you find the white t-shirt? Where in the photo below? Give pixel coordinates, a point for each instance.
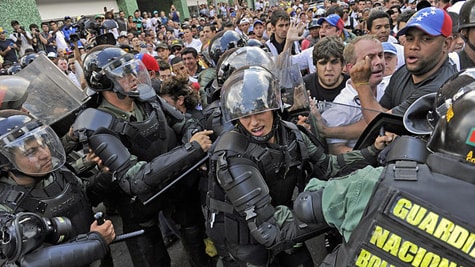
(350, 110)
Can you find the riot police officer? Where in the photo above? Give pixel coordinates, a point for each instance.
(33, 179)
(399, 215)
(256, 167)
(162, 144)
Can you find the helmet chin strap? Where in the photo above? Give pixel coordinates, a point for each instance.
(467, 41)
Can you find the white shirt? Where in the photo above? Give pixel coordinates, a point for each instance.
(350, 111)
(195, 43)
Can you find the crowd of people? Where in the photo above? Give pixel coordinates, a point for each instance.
(237, 130)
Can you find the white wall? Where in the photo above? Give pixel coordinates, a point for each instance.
(57, 9)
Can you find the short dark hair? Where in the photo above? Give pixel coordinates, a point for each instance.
(328, 47)
(279, 15)
(189, 50)
(376, 14)
(178, 86)
(175, 60)
(14, 22)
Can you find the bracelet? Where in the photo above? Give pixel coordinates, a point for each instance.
(361, 83)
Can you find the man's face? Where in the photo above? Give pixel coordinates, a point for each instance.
(53, 26)
(45, 27)
(165, 74)
(269, 29)
(361, 5)
(180, 69)
(34, 158)
(3, 36)
(390, 63)
(190, 61)
(381, 29)
(280, 29)
(328, 30)
(128, 82)
(163, 53)
(187, 35)
(259, 124)
(259, 30)
(121, 14)
(63, 64)
(244, 27)
(208, 33)
(123, 40)
(315, 32)
(375, 51)
(422, 52)
(329, 72)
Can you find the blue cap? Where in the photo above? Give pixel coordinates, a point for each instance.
(389, 48)
(333, 20)
(257, 22)
(431, 20)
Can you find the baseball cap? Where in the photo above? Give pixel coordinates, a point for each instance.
(333, 20)
(155, 12)
(52, 55)
(389, 48)
(2, 30)
(149, 61)
(123, 34)
(243, 21)
(67, 17)
(257, 22)
(177, 42)
(162, 45)
(431, 20)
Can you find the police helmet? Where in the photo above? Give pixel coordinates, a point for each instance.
(14, 69)
(28, 146)
(94, 63)
(454, 133)
(422, 116)
(249, 90)
(240, 57)
(222, 42)
(14, 90)
(467, 15)
(27, 59)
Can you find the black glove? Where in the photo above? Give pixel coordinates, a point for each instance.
(107, 145)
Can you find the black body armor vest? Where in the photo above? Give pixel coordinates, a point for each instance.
(283, 168)
(64, 197)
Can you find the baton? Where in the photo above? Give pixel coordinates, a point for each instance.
(177, 179)
(99, 216)
(122, 237)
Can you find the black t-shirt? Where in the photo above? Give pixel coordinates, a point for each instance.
(401, 91)
(11, 55)
(318, 91)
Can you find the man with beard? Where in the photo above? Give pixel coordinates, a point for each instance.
(349, 113)
(280, 22)
(327, 82)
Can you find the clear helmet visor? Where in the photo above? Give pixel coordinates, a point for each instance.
(35, 152)
(130, 77)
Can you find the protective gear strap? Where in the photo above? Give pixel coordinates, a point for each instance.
(82, 251)
(308, 207)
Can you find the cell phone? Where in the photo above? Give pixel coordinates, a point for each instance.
(11, 44)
